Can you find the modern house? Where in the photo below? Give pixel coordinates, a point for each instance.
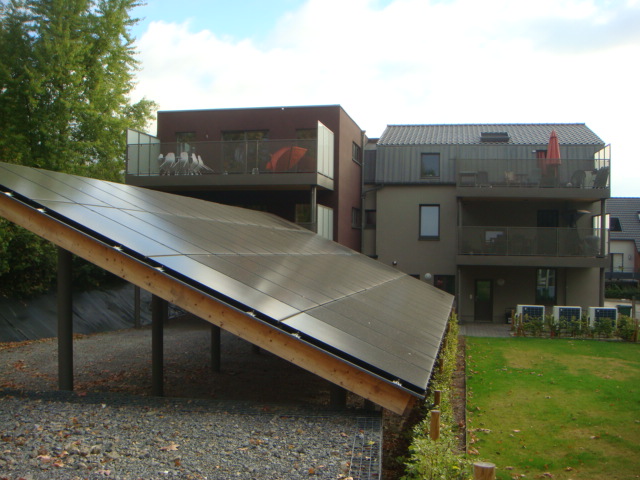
(301, 163)
(624, 228)
(496, 214)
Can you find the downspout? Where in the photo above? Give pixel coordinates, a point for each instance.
(362, 195)
(314, 207)
(603, 243)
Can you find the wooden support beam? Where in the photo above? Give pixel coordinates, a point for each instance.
(65, 320)
(208, 308)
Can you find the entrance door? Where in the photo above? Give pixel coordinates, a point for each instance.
(483, 301)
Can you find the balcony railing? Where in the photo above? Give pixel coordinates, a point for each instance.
(551, 242)
(570, 173)
(227, 158)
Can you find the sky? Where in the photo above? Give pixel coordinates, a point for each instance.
(405, 62)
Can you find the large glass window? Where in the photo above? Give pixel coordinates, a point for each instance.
(429, 165)
(242, 152)
(430, 221)
(546, 286)
(185, 142)
(307, 133)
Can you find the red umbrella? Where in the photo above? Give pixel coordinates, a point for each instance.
(552, 159)
(553, 152)
(285, 159)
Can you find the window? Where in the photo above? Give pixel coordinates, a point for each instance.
(615, 225)
(445, 282)
(546, 291)
(307, 133)
(303, 213)
(185, 142)
(494, 137)
(242, 151)
(429, 221)
(356, 217)
(617, 262)
(429, 165)
(241, 136)
(356, 153)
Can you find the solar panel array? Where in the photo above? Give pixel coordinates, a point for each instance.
(369, 314)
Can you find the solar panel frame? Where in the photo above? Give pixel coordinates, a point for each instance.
(353, 307)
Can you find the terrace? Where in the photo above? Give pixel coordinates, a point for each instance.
(299, 162)
(557, 246)
(570, 177)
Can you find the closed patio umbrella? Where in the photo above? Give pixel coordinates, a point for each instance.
(553, 155)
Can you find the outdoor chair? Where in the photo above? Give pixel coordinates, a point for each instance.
(169, 163)
(578, 178)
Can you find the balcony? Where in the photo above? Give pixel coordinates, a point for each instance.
(564, 246)
(255, 163)
(573, 178)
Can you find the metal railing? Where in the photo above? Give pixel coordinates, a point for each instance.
(223, 158)
(570, 173)
(552, 242)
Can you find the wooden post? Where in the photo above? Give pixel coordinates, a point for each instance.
(437, 395)
(434, 431)
(484, 471)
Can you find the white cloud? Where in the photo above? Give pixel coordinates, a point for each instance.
(419, 61)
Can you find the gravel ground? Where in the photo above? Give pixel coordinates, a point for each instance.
(259, 418)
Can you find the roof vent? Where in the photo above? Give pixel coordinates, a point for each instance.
(494, 137)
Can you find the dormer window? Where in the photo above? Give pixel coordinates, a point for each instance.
(494, 137)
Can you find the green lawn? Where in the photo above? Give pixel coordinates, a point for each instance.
(562, 409)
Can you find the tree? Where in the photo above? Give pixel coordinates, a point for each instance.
(66, 72)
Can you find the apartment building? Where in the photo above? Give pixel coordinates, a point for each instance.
(498, 215)
(303, 164)
(624, 227)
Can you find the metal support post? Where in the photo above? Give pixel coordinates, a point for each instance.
(338, 397)
(215, 348)
(136, 307)
(65, 321)
(159, 310)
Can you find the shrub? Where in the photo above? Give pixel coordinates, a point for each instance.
(626, 328)
(621, 290)
(441, 459)
(603, 327)
(27, 262)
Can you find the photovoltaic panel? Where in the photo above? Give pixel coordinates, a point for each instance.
(341, 302)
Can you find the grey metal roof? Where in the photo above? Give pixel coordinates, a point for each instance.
(344, 303)
(519, 134)
(626, 210)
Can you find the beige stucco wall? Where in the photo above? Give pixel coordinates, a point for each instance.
(398, 223)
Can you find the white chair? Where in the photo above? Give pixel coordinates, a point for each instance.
(182, 164)
(168, 165)
(194, 166)
(203, 167)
